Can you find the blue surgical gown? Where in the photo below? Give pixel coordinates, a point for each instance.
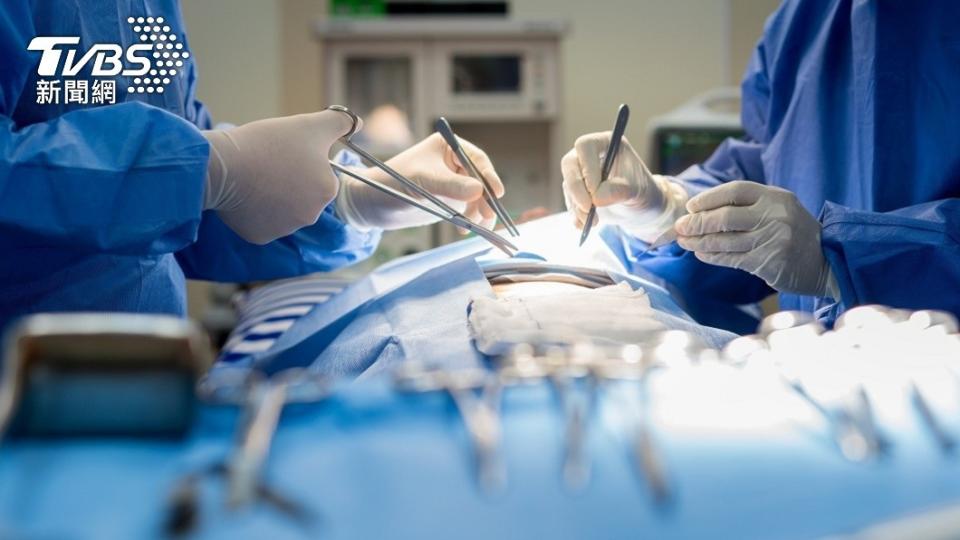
(854, 105)
(101, 206)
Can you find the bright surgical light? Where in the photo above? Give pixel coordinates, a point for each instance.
(869, 318)
(784, 320)
(922, 320)
(741, 349)
(631, 354)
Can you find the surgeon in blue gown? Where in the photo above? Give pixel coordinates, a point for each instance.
(844, 189)
(109, 207)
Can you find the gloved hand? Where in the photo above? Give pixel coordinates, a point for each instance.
(268, 178)
(431, 164)
(760, 229)
(642, 203)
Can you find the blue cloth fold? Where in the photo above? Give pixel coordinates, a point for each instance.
(416, 307)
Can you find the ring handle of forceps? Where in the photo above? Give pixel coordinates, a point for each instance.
(354, 117)
(454, 215)
(446, 131)
(357, 123)
(413, 186)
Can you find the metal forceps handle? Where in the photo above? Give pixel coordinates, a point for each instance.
(623, 114)
(446, 212)
(479, 413)
(498, 241)
(482, 421)
(246, 465)
(577, 406)
(388, 190)
(446, 131)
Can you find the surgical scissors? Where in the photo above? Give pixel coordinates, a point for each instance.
(623, 114)
(443, 211)
(446, 131)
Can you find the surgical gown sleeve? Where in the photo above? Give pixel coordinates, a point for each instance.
(908, 258)
(220, 255)
(712, 294)
(123, 179)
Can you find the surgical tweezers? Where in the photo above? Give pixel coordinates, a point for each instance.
(667, 236)
(445, 131)
(443, 211)
(623, 114)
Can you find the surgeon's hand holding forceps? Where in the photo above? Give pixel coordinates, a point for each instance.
(442, 210)
(445, 131)
(623, 114)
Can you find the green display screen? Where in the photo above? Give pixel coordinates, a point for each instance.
(679, 148)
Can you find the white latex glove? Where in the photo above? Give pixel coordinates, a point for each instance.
(762, 230)
(268, 178)
(431, 164)
(642, 203)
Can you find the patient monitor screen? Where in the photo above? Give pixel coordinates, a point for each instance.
(679, 148)
(474, 74)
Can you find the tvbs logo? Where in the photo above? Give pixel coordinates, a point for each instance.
(106, 58)
(151, 64)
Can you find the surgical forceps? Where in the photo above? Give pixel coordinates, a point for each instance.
(623, 114)
(443, 127)
(854, 429)
(595, 368)
(567, 375)
(944, 440)
(523, 365)
(667, 236)
(632, 365)
(480, 414)
(575, 391)
(264, 400)
(443, 211)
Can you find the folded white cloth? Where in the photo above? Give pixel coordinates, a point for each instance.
(612, 315)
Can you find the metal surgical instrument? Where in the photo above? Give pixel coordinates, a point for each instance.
(576, 392)
(623, 114)
(853, 438)
(946, 441)
(444, 211)
(457, 219)
(264, 400)
(443, 127)
(246, 464)
(480, 414)
(633, 366)
(665, 238)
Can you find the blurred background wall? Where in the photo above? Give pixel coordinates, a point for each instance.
(258, 58)
(236, 44)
